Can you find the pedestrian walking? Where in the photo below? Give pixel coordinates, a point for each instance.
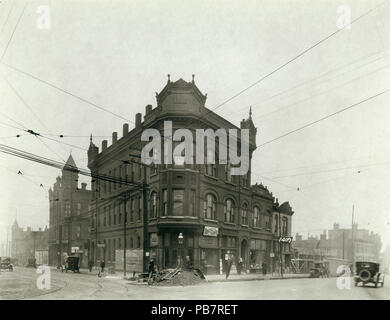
(264, 268)
(151, 270)
(90, 266)
(102, 265)
(239, 265)
(229, 264)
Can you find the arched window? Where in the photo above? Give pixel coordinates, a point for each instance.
(210, 207)
(256, 217)
(229, 210)
(244, 214)
(153, 205)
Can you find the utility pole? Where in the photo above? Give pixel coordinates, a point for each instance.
(280, 247)
(145, 215)
(124, 235)
(353, 239)
(146, 231)
(97, 189)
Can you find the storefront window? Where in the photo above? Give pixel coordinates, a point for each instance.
(178, 202)
(210, 207)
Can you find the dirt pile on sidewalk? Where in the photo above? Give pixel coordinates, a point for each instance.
(182, 278)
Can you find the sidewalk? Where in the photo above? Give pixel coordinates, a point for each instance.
(253, 276)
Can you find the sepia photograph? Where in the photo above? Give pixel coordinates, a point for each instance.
(182, 150)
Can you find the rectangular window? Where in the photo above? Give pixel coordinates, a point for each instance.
(67, 209)
(284, 226)
(192, 202)
(78, 231)
(139, 208)
(165, 202)
(78, 208)
(178, 202)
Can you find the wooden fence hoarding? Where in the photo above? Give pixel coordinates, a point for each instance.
(133, 260)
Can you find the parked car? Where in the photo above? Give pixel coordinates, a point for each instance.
(5, 264)
(320, 270)
(72, 263)
(368, 272)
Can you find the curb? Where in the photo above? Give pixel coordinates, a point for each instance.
(257, 279)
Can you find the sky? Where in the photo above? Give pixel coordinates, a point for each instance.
(117, 54)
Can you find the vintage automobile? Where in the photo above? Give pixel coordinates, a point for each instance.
(5, 264)
(72, 263)
(368, 272)
(320, 270)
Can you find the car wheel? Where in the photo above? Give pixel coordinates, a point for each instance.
(376, 284)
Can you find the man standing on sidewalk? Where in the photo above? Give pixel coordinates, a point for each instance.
(229, 263)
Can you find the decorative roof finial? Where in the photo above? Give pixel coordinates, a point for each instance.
(193, 77)
(250, 112)
(169, 78)
(90, 138)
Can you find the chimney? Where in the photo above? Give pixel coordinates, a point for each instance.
(104, 145)
(298, 237)
(138, 120)
(114, 137)
(84, 186)
(148, 109)
(125, 129)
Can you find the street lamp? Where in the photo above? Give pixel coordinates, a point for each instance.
(180, 239)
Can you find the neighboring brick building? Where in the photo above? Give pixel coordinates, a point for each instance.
(69, 216)
(215, 211)
(26, 243)
(344, 245)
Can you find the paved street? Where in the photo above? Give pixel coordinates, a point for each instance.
(21, 284)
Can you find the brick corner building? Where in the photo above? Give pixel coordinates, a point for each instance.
(69, 216)
(217, 213)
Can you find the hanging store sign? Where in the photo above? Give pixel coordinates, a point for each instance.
(101, 245)
(75, 249)
(210, 231)
(285, 239)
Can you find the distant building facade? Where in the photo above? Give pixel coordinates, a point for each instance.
(217, 213)
(69, 216)
(345, 245)
(25, 243)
